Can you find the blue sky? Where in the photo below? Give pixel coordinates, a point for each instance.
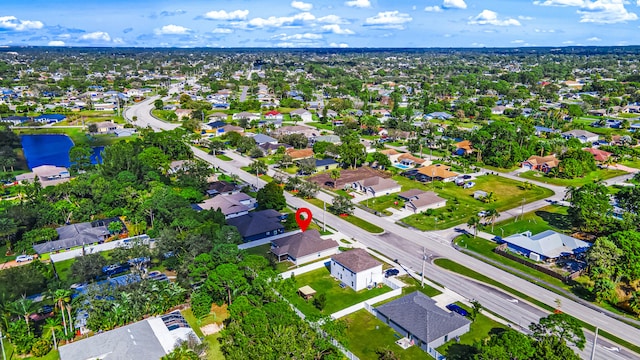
(350, 23)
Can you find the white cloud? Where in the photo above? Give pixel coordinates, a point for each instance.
(14, 24)
(568, 42)
(517, 42)
(302, 6)
(525, 17)
(306, 36)
(340, 45)
(273, 21)
(223, 15)
(544, 30)
(336, 29)
(433, 8)
(389, 20)
(56, 43)
(173, 13)
(456, 4)
(118, 41)
(560, 3)
(359, 3)
(96, 36)
(222, 31)
(605, 12)
(172, 30)
(488, 17)
(332, 19)
(595, 38)
(286, 44)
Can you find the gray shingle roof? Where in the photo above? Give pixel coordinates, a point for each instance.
(302, 244)
(356, 260)
(73, 235)
(257, 222)
(419, 315)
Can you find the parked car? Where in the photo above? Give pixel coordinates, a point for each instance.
(483, 213)
(457, 309)
(469, 185)
(466, 177)
(391, 272)
(22, 258)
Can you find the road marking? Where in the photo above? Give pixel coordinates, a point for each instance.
(515, 301)
(613, 348)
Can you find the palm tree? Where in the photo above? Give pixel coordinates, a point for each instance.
(634, 302)
(23, 307)
(474, 222)
(51, 325)
(335, 175)
(61, 297)
(492, 215)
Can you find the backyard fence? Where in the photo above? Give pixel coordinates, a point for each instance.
(304, 269)
(363, 304)
(501, 250)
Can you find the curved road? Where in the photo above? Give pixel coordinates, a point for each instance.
(407, 245)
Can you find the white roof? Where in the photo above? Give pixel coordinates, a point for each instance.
(548, 243)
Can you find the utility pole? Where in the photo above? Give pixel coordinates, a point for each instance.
(424, 259)
(4, 356)
(522, 211)
(593, 350)
(324, 214)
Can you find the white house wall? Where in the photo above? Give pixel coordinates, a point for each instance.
(357, 281)
(315, 256)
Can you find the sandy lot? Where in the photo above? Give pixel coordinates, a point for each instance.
(348, 176)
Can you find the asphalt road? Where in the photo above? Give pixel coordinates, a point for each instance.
(407, 245)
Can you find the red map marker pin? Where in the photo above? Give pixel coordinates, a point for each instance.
(303, 222)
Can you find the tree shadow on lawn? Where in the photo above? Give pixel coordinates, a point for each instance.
(559, 221)
(461, 352)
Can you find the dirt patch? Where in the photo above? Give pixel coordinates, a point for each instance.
(348, 176)
(211, 329)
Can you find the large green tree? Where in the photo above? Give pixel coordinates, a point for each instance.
(271, 196)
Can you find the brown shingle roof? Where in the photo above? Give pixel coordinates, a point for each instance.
(302, 244)
(356, 260)
(438, 171)
(299, 153)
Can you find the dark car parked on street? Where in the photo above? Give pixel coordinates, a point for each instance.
(391, 272)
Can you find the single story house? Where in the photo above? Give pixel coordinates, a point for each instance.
(539, 130)
(269, 148)
(334, 139)
(598, 155)
(357, 269)
(183, 113)
(419, 201)
(273, 115)
(245, 115)
(541, 163)
(213, 126)
(262, 138)
(222, 187)
(376, 186)
(326, 164)
(479, 194)
(295, 129)
(440, 115)
(231, 206)
(299, 154)
(79, 234)
(152, 338)
(584, 136)
(303, 247)
(545, 246)
(50, 118)
(463, 148)
(124, 132)
(304, 114)
(217, 116)
(438, 172)
(47, 174)
(15, 120)
(258, 224)
(418, 318)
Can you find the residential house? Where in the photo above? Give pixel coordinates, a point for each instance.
(296, 129)
(541, 163)
(376, 186)
(440, 115)
(262, 138)
(47, 174)
(418, 318)
(299, 154)
(213, 126)
(584, 136)
(269, 148)
(463, 148)
(631, 109)
(357, 269)
(108, 127)
(183, 113)
(410, 160)
(326, 164)
(539, 130)
(245, 115)
(438, 172)
(218, 116)
(273, 115)
(50, 118)
(231, 206)
(600, 156)
(418, 201)
(545, 246)
(334, 139)
(151, 338)
(498, 110)
(258, 224)
(124, 132)
(222, 188)
(479, 194)
(79, 234)
(15, 120)
(303, 247)
(305, 115)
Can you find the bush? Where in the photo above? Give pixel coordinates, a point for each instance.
(41, 347)
(320, 301)
(201, 303)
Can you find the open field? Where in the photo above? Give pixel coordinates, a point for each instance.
(461, 205)
(552, 217)
(347, 176)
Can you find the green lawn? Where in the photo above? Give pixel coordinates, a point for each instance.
(363, 224)
(480, 329)
(337, 298)
(382, 203)
(320, 125)
(631, 163)
(413, 285)
(600, 174)
(461, 205)
(9, 352)
(224, 157)
(552, 217)
(263, 250)
(63, 268)
(218, 316)
(366, 334)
